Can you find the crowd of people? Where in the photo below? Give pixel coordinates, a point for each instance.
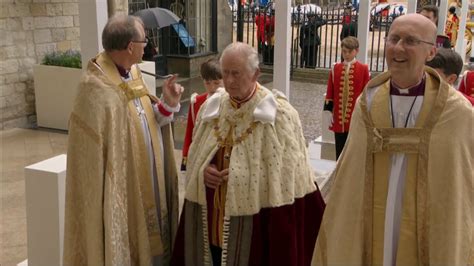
(401, 193)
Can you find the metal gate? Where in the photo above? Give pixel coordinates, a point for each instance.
(255, 25)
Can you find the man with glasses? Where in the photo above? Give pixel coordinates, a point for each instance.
(402, 191)
(121, 184)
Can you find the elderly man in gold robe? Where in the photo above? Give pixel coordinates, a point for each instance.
(121, 184)
(403, 186)
(251, 197)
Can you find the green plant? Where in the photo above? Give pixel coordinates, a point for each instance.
(65, 59)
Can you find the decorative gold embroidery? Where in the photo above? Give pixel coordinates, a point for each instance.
(221, 139)
(133, 89)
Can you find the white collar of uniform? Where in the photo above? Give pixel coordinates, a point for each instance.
(264, 112)
(350, 63)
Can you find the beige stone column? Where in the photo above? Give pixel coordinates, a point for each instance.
(363, 31)
(411, 6)
(116, 6)
(224, 25)
(282, 59)
(460, 47)
(93, 17)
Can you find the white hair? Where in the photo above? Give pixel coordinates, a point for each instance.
(246, 51)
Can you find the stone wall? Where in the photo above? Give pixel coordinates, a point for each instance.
(29, 30)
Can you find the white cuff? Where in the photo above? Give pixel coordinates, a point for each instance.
(171, 109)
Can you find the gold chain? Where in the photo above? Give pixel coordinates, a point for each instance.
(221, 141)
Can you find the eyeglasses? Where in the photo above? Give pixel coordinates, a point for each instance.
(408, 41)
(144, 41)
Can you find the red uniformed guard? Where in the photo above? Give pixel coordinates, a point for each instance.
(212, 77)
(466, 86)
(345, 84)
(452, 26)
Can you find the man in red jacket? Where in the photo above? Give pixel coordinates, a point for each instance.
(345, 84)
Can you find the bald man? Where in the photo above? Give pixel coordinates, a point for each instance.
(412, 203)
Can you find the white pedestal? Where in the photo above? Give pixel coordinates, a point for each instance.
(45, 198)
(322, 156)
(326, 134)
(150, 81)
(327, 150)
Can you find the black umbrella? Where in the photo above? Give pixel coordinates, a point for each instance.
(157, 17)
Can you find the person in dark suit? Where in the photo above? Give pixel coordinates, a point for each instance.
(309, 40)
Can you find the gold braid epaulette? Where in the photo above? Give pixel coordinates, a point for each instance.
(221, 141)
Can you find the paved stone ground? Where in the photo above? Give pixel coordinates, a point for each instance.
(308, 100)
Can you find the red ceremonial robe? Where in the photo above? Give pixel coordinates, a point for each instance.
(466, 87)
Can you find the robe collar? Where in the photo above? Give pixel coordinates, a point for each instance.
(416, 90)
(238, 103)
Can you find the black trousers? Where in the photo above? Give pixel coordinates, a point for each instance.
(216, 253)
(309, 56)
(340, 139)
(267, 51)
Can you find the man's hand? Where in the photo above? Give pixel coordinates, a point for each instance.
(214, 178)
(172, 91)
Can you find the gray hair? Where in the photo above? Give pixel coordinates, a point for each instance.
(119, 31)
(246, 51)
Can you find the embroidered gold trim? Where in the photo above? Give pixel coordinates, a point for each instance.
(221, 141)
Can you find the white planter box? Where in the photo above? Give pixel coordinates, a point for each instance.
(56, 88)
(55, 91)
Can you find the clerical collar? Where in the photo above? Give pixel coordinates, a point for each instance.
(238, 103)
(416, 90)
(123, 72)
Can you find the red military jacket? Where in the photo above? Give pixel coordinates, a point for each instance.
(342, 92)
(194, 106)
(466, 86)
(452, 27)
